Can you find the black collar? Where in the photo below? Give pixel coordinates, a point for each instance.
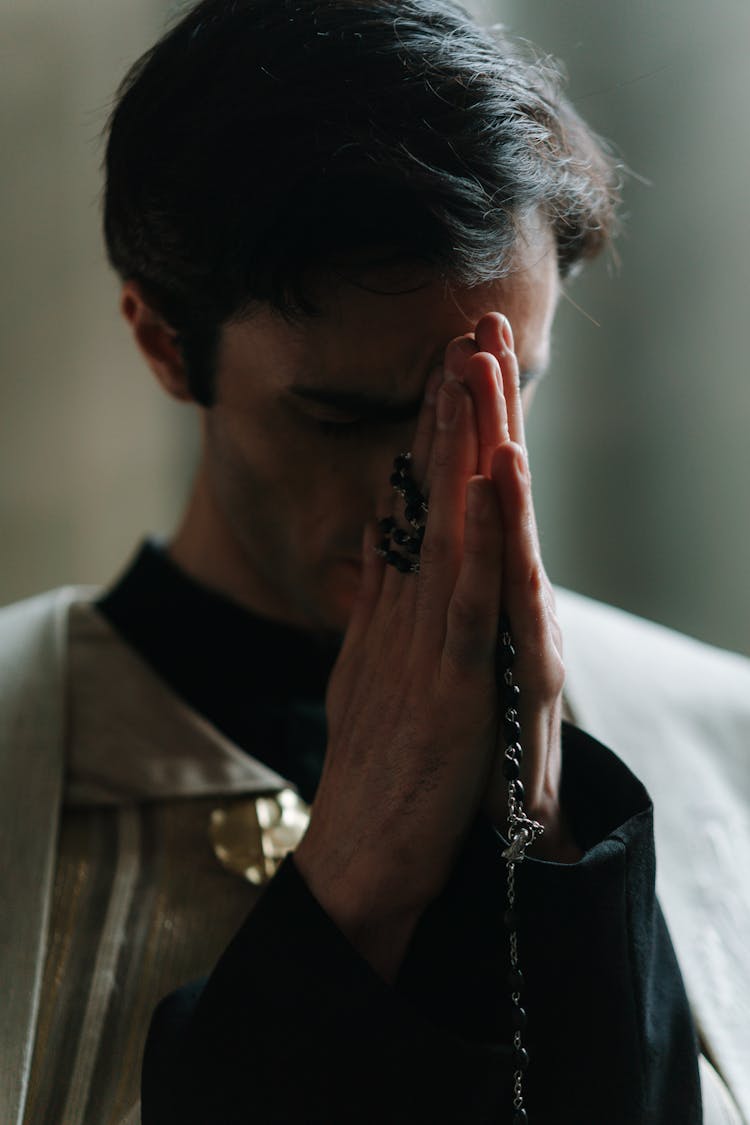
(257, 681)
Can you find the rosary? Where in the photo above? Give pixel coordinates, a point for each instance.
(522, 830)
(253, 837)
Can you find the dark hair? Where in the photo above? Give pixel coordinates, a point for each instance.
(259, 139)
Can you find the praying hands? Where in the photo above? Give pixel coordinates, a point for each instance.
(415, 724)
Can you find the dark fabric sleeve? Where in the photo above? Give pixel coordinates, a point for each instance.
(294, 1026)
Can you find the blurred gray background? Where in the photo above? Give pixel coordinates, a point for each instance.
(639, 436)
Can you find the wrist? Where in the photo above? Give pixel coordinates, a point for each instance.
(557, 844)
(374, 920)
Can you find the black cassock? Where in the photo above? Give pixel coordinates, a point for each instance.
(294, 1026)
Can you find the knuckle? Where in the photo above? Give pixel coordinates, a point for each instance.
(535, 581)
(552, 680)
(527, 578)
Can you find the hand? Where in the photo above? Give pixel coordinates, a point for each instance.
(488, 367)
(412, 704)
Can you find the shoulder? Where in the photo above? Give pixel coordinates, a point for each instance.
(22, 620)
(33, 635)
(600, 640)
(677, 712)
(38, 606)
(670, 706)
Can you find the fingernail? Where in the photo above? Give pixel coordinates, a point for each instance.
(447, 407)
(522, 465)
(454, 373)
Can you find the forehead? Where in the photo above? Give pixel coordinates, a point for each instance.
(371, 338)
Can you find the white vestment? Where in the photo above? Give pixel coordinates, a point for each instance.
(675, 711)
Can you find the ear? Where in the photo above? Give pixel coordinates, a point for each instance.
(157, 342)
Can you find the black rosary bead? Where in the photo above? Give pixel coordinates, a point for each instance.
(520, 792)
(412, 543)
(415, 510)
(412, 492)
(520, 1058)
(507, 654)
(511, 769)
(512, 731)
(518, 1019)
(520, 1117)
(515, 980)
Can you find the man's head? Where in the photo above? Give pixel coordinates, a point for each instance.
(320, 195)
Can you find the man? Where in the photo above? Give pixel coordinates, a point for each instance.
(341, 229)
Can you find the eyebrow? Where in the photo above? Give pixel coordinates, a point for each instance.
(362, 404)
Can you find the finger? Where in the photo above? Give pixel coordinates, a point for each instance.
(489, 334)
(393, 584)
(369, 588)
(425, 430)
(483, 379)
(510, 472)
(525, 584)
(512, 386)
(457, 352)
(453, 461)
(474, 610)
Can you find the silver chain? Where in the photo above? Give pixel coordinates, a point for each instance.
(522, 832)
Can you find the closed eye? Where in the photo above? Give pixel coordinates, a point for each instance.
(338, 426)
(340, 420)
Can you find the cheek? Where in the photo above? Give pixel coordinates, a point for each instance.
(310, 488)
(257, 446)
(271, 465)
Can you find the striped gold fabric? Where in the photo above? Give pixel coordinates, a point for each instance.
(141, 906)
